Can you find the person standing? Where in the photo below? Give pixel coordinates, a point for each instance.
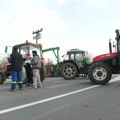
(36, 65)
(42, 70)
(28, 69)
(16, 61)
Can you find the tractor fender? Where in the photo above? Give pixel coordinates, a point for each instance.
(112, 61)
(74, 62)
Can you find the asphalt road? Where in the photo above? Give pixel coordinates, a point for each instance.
(61, 99)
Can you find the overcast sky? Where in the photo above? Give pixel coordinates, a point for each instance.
(83, 24)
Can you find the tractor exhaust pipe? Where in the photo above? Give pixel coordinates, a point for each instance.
(110, 46)
(118, 40)
(118, 44)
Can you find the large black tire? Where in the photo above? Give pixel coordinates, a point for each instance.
(1, 79)
(99, 73)
(68, 70)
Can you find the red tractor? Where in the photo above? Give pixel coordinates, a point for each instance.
(4, 68)
(23, 49)
(103, 66)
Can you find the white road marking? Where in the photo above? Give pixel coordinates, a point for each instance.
(114, 79)
(53, 98)
(45, 100)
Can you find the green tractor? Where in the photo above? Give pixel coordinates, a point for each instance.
(75, 64)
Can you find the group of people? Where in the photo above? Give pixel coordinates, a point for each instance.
(32, 67)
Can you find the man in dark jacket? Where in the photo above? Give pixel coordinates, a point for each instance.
(16, 61)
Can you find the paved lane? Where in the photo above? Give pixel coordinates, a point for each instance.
(93, 103)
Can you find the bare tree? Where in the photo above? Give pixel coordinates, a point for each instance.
(50, 68)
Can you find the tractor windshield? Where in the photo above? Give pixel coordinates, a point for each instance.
(25, 49)
(79, 56)
(76, 56)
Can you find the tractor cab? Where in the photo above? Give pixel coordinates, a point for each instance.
(77, 56)
(27, 48)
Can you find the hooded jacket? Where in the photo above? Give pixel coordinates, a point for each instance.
(16, 61)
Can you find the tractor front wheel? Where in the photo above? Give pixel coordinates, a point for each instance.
(99, 73)
(68, 70)
(1, 78)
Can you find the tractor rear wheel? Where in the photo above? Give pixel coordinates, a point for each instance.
(68, 70)
(1, 79)
(99, 73)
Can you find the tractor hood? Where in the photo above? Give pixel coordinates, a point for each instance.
(104, 56)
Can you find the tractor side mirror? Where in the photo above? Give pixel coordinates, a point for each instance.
(8, 49)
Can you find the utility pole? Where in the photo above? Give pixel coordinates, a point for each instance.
(38, 35)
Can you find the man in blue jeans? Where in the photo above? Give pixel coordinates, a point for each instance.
(16, 61)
